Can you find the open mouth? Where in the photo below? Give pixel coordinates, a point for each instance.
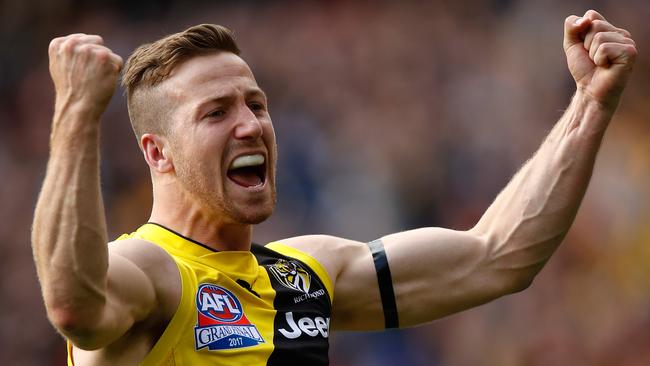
(248, 170)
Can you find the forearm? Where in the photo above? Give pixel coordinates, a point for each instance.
(531, 216)
(69, 232)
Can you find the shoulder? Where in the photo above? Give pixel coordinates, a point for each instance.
(320, 244)
(333, 253)
(149, 257)
(157, 265)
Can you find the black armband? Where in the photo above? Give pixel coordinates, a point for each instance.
(385, 283)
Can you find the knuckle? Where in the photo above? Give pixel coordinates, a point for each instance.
(69, 44)
(100, 51)
(94, 39)
(631, 50)
(55, 43)
(83, 48)
(598, 38)
(570, 19)
(101, 55)
(606, 26)
(598, 25)
(607, 47)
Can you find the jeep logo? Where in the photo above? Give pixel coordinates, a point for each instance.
(309, 326)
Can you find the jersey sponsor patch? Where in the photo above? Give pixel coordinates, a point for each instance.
(222, 323)
(310, 326)
(291, 275)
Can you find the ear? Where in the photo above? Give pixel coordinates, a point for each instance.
(156, 152)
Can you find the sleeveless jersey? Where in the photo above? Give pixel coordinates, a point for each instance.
(270, 306)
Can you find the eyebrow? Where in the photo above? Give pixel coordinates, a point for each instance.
(227, 98)
(255, 92)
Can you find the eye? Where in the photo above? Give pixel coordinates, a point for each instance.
(217, 113)
(256, 107)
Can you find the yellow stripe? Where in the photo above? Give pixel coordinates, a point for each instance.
(69, 346)
(308, 260)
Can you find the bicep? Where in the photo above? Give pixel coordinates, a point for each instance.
(129, 298)
(435, 272)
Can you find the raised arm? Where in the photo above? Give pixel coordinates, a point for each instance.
(436, 271)
(87, 302)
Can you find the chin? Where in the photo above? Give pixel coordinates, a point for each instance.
(254, 220)
(253, 214)
(253, 217)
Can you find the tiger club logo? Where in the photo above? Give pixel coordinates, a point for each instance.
(291, 275)
(222, 323)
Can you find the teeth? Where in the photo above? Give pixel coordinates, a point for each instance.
(247, 160)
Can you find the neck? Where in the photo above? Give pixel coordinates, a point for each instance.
(190, 219)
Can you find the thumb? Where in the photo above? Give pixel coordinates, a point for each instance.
(574, 30)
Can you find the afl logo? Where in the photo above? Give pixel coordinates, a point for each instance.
(215, 302)
(222, 323)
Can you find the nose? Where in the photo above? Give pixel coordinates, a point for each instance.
(248, 126)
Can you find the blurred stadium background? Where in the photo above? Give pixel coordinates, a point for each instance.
(390, 115)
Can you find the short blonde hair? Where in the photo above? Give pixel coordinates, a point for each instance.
(152, 63)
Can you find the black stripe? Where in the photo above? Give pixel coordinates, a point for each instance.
(305, 349)
(385, 280)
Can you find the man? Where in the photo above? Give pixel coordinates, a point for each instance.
(190, 288)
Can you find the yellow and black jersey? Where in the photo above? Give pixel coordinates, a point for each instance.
(270, 306)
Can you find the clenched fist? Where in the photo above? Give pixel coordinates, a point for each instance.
(84, 72)
(600, 56)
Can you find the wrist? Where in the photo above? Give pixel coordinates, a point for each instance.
(73, 123)
(588, 112)
(82, 108)
(590, 102)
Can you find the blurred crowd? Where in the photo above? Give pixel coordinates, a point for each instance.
(389, 115)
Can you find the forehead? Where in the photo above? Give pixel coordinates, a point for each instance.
(210, 75)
